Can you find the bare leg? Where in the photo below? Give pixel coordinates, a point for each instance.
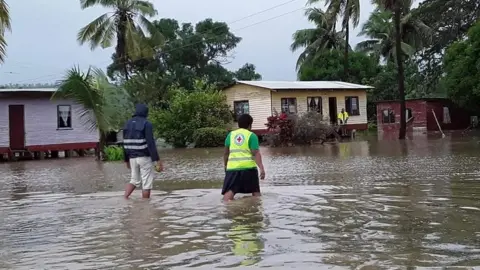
(228, 196)
(256, 194)
(129, 188)
(146, 194)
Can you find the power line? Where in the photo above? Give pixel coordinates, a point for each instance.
(248, 26)
(194, 43)
(262, 11)
(232, 22)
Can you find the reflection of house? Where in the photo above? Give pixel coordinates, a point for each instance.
(31, 122)
(420, 115)
(262, 98)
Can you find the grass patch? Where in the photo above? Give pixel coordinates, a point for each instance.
(114, 153)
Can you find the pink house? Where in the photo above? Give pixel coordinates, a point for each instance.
(30, 122)
(420, 115)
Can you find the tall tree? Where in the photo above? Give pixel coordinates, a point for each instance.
(128, 24)
(450, 21)
(380, 30)
(397, 7)
(462, 76)
(247, 73)
(314, 40)
(328, 65)
(4, 26)
(190, 52)
(348, 11)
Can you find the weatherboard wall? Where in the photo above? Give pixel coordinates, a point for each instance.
(259, 102)
(41, 123)
(302, 106)
(264, 102)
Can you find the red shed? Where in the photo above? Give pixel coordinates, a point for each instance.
(420, 115)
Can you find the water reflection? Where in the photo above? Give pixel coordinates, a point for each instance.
(360, 205)
(142, 231)
(19, 185)
(247, 221)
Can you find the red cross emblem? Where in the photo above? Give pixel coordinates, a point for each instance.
(239, 139)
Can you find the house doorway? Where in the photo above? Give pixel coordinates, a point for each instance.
(16, 124)
(332, 109)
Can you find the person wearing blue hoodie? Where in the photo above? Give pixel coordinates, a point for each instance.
(140, 152)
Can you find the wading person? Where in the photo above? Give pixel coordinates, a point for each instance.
(140, 152)
(241, 158)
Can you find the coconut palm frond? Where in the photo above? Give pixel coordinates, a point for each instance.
(127, 25)
(4, 26)
(380, 28)
(77, 86)
(103, 105)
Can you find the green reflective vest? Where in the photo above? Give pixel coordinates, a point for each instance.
(342, 116)
(246, 243)
(240, 154)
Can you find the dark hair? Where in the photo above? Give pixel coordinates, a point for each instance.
(245, 121)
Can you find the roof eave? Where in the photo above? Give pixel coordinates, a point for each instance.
(325, 89)
(263, 87)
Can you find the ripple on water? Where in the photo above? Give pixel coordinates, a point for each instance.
(376, 207)
(193, 228)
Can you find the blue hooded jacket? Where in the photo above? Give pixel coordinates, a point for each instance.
(138, 138)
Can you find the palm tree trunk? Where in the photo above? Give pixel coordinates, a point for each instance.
(102, 140)
(401, 79)
(125, 68)
(121, 48)
(347, 36)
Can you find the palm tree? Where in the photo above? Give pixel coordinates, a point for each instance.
(398, 7)
(4, 26)
(349, 11)
(128, 24)
(381, 31)
(322, 37)
(105, 106)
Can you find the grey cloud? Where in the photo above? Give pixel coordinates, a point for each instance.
(43, 42)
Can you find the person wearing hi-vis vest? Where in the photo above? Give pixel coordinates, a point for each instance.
(241, 158)
(342, 117)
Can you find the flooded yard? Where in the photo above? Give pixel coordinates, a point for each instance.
(367, 204)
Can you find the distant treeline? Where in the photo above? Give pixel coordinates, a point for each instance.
(27, 86)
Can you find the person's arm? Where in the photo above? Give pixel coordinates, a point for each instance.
(226, 151)
(126, 158)
(152, 147)
(254, 145)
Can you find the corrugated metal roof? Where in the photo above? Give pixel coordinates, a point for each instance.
(277, 85)
(46, 90)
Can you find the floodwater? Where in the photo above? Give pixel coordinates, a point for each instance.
(366, 204)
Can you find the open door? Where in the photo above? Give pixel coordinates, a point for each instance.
(16, 124)
(332, 109)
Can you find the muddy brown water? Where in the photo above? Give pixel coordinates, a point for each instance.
(366, 204)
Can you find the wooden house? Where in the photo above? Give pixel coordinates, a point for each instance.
(30, 122)
(261, 99)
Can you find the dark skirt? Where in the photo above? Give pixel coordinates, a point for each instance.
(242, 181)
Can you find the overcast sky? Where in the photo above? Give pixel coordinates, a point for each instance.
(43, 43)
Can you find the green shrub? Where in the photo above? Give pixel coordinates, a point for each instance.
(209, 137)
(297, 130)
(372, 126)
(114, 153)
(188, 111)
